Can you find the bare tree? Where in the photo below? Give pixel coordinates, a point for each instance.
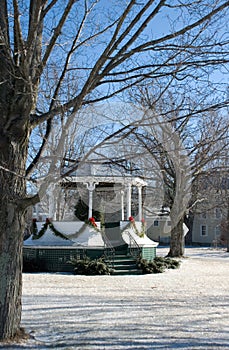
(59, 56)
(188, 149)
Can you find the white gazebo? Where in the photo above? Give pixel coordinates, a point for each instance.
(120, 233)
(91, 176)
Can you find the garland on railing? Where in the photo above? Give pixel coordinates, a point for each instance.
(91, 222)
(36, 235)
(133, 225)
(78, 233)
(56, 232)
(125, 228)
(48, 223)
(143, 223)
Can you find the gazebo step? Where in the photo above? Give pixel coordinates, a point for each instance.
(126, 272)
(124, 265)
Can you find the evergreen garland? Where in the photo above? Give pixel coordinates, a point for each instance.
(56, 232)
(133, 225)
(81, 210)
(125, 228)
(91, 223)
(41, 232)
(78, 233)
(48, 223)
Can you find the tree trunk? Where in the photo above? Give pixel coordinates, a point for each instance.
(12, 224)
(177, 240)
(227, 224)
(11, 238)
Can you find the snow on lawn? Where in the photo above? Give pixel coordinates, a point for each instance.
(186, 308)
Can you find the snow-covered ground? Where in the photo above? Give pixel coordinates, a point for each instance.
(186, 308)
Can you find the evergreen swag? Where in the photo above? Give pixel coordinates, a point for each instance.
(143, 226)
(91, 222)
(48, 223)
(88, 222)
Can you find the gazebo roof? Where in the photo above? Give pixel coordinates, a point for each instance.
(94, 172)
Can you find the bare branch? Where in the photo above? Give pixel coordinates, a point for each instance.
(57, 32)
(19, 45)
(149, 45)
(48, 7)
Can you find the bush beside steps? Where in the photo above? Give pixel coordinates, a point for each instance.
(89, 266)
(158, 265)
(98, 266)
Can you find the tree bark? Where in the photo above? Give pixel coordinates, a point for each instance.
(12, 225)
(227, 224)
(177, 240)
(11, 238)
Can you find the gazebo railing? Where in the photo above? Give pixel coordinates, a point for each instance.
(109, 251)
(134, 248)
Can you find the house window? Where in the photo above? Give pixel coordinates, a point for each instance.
(203, 230)
(218, 213)
(217, 231)
(156, 223)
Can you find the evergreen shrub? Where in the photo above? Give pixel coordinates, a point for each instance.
(157, 265)
(89, 266)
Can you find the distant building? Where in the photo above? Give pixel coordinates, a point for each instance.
(211, 210)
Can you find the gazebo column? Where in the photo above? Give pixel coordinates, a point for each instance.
(128, 201)
(139, 202)
(91, 188)
(122, 205)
